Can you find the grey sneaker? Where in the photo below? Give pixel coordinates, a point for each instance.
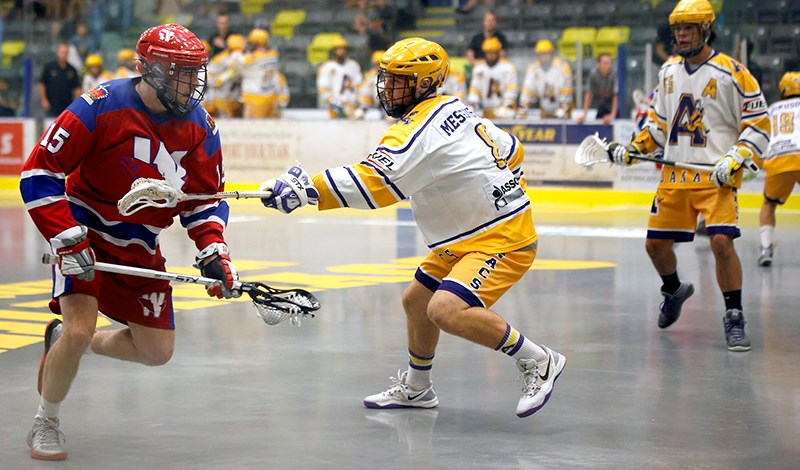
(400, 395)
(737, 339)
(765, 259)
(51, 334)
(46, 440)
(538, 379)
(671, 306)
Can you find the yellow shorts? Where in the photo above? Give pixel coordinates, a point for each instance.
(778, 187)
(673, 214)
(479, 279)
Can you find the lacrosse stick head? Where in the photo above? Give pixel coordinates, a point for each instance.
(274, 306)
(149, 192)
(592, 150)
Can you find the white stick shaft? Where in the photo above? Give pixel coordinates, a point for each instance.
(228, 195)
(146, 273)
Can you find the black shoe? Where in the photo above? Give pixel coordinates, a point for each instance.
(737, 339)
(51, 334)
(671, 306)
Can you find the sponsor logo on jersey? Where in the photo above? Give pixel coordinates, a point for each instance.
(97, 93)
(754, 105)
(381, 159)
(211, 123)
(504, 192)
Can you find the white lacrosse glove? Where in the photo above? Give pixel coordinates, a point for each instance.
(214, 261)
(726, 168)
(620, 154)
(292, 190)
(75, 256)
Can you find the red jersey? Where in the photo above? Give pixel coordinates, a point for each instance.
(88, 158)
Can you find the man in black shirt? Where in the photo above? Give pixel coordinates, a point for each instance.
(474, 52)
(59, 84)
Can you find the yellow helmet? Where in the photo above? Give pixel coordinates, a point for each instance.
(338, 42)
(125, 55)
(492, 45)
(377, 56)
(94, 60)
(693, 12)
(258, 37)
(790, 84)
(235, 42)
(544, 46)
(415, 58)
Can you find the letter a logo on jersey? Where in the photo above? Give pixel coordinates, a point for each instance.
(152, 303)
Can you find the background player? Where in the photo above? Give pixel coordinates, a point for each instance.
(83, 164)
(338, 80)
(706, 105)
(548, 83)
(494, 85)
(781, 160)
(265, 92)
(464, 179)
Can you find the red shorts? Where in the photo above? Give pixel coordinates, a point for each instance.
(126, 299)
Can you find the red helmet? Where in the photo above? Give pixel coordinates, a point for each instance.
(173, 61)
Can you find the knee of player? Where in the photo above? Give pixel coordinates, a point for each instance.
(656, 246)
(443, 313)
(157, 355)
(721, 245)
(77, 338)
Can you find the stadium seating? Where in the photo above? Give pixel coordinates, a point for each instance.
(609, 38)
(285, 22)
(573, 35)
(11, 50)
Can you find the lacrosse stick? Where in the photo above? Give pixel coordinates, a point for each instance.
(149, 192)
(594, 150)
(273, 305)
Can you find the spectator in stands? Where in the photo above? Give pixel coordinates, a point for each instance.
(126, 64)
(219, 39)
(662, 48)
(225, 77)
(8, 105)
(59, 83)
(83, 41)
(602, 91)
(265, 92)
(95, 74)
(466, 6)
(548, 83)
(337, 82)
(475, 51)
(494, 87)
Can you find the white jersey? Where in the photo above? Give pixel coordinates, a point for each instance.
(367, 91)
(551, 87)
(785, 119)
(225, 74)
(697, 116)
(462, 174)
(339, 82)
(455, 85)
(258, 72)
(494, 86)
(90, 82)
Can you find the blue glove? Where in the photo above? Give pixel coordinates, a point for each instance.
(292, 190)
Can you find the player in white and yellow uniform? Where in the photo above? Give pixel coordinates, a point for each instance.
(265, 92)
(463, 177)
(225, 77)
(494, 85)
(126, 64)
(707, 109)
(456, 84)
(95, 73)
(367, 94)
(338, 80)
(548, 83)
(781, 160)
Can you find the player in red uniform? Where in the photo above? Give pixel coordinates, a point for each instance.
(146, 127)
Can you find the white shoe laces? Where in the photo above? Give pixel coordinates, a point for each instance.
(398, 384)
(46, 433)
(530, 385)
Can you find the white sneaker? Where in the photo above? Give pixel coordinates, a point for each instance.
(400, 395)
(46, 440)
(765, 259)
(537, 381)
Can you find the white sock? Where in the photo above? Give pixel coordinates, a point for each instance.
(418, 379)
(47, 409)
(766, 235)
(530, 350)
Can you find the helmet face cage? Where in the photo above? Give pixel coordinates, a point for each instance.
(697, 13)
(392, 101)
(179, 88)
(703, 34)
